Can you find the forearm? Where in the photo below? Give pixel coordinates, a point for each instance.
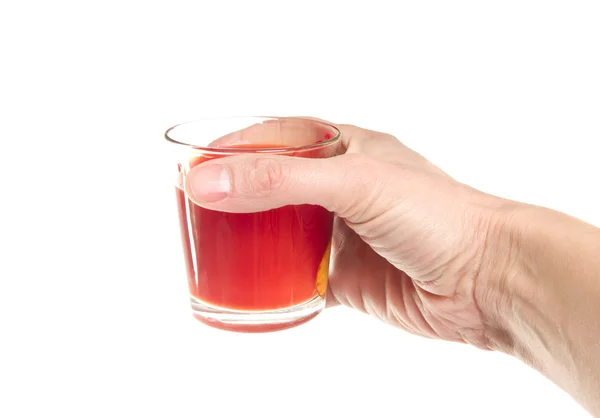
(545, 293)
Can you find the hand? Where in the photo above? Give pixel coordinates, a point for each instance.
(408, 239)
(423, 252)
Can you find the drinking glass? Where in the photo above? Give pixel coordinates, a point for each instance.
(263, 271)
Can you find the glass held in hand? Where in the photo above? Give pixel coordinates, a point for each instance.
(254, 272)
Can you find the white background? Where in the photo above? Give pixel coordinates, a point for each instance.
(94, 315)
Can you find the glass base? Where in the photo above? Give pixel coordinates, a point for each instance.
(257, 321)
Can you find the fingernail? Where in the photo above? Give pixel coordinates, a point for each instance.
(209, 183)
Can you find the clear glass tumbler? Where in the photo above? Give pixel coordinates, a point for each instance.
(254, 272)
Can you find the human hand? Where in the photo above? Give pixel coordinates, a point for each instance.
(408, 240)
(421, 251)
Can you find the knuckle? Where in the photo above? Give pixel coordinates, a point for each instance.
(265, 176)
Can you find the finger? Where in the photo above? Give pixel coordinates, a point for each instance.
(351, 135)
(341, 242)
(295, 130)
(304, 130)
(280, 132)
(330, 299)
(345, 184)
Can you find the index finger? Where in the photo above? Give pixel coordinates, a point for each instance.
(280, 132)
(355, 138)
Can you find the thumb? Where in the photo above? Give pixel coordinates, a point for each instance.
(347, 184)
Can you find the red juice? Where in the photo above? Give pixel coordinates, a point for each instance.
(255, 261)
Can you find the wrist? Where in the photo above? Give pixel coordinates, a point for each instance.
(538, 292)
(499, 265)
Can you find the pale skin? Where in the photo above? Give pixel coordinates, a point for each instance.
(427, 254)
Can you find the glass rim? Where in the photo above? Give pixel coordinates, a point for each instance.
(246, 150)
